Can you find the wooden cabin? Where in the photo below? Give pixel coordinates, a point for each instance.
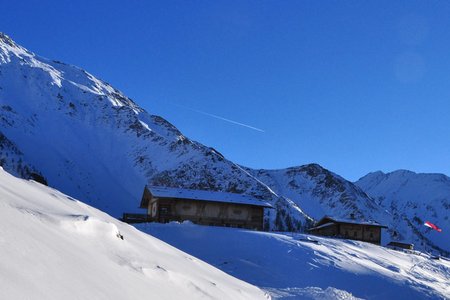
(166, 204)
(366, 231)
(400, 245)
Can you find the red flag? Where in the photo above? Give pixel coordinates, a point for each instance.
(431, 225)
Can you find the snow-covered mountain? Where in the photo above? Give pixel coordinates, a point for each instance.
(55, 247)
(300, 266)
(412, 199)
(90, 141)
(319, 192)
(62, 125)
(401, 200)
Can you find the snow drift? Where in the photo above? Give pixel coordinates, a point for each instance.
(55, 247)
(299, 266)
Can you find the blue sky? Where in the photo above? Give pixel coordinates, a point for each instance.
(356, 86)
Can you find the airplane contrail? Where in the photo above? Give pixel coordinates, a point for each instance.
(220, 118)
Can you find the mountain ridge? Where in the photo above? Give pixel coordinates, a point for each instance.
(89, 140)
(414, 198)
(104, 146)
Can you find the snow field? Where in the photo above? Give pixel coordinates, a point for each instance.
(292, 265)
(54, 247)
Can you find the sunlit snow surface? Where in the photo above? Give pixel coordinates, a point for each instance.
(54, 247)
(301, 266)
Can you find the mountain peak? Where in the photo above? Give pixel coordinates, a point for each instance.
(5, 39)
(402, 172)
(372, 175)
(10, 48)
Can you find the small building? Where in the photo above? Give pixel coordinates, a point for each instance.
(400, 245)
(165, 204)
(366, 231)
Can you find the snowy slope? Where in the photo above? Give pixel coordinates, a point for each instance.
(294, 267)
(319, 192)
(413, 199)
(92, 142)
(54, 247)
(401, 200)
(12, 157)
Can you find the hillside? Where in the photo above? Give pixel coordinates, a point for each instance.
(320, 192)
(55, 247)
(91, 141)
(87, 139)
(413, 199)
(298, 266)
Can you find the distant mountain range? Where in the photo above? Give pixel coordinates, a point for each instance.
(87, 139)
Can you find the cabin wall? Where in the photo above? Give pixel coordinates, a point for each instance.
(207, 213)
(331, 230)
(401, 245)
(372, 234)
(146, 198)
(351, 231)
(360, 232)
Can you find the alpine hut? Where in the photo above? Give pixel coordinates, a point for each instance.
(165, 204)
(366, 231)
(400, 245)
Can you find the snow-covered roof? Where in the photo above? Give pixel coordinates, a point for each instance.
(400, 242)
(323, 226)
(327, 219)
(201, 195)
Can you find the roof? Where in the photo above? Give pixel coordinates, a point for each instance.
(323, 226)
(327, 219)
(201, 195)
(400, 243)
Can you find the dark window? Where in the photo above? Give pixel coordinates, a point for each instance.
(256, 218)
(355, 234)
(164, 209)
